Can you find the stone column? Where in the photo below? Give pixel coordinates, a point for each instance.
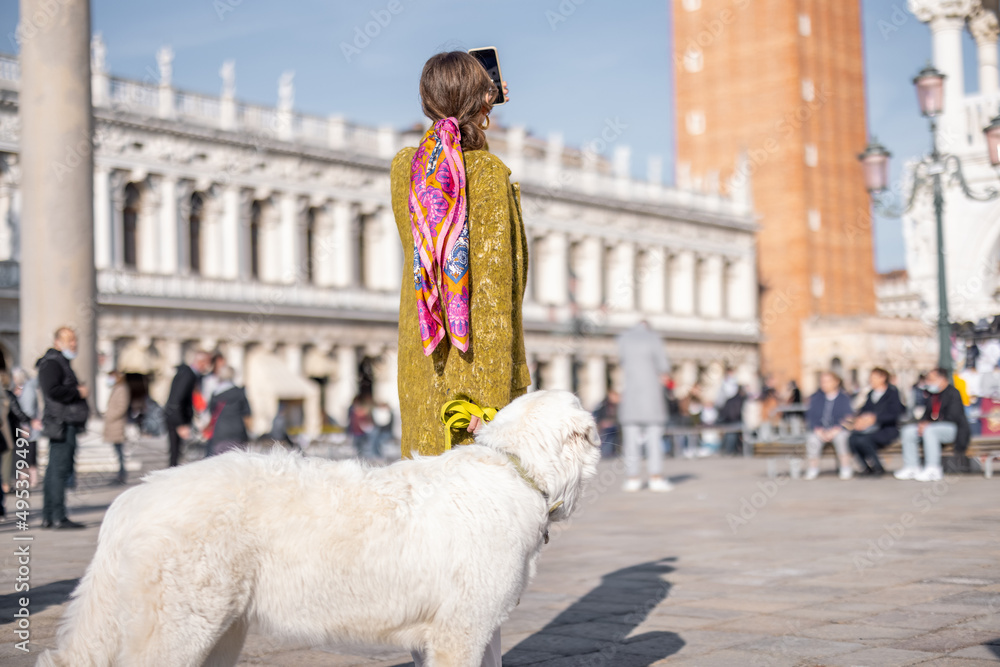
(228, 226)
(650, 280)
(682, 283)
(324, 247)
(983, 26)
(342, 258)
(594, 387)
(552, 285)
(117, 182)
(741, 286)
(289, 260)
(148, 232)
(346, 383)
(269, 244)
(710, 286)
(170, 230)
(947, 22)
(102, 217)
(386, 386)
(560, 372)
(56, 121)
(587, 266)
(619, 292)
(235, 353)
(391, 252)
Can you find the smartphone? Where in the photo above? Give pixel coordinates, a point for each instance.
(487, 56)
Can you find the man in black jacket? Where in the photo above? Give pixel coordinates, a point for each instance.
(179, 410)
(943, 422)
(878, 424)
(65, 415)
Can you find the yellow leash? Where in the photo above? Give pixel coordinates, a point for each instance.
(457, 415)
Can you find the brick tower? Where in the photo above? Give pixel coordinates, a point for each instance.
(782, 84)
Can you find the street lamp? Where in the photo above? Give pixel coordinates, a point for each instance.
(875, 161)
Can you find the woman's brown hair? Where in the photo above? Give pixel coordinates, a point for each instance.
(455, 84)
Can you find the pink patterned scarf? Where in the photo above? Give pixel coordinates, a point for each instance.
(439, 222)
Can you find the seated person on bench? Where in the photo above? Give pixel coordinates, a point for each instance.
(943, 422)
(878, 424)
(828, 408)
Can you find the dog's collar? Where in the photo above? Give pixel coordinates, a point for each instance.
(519, 467)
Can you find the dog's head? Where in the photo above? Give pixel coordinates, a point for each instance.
(555, 439)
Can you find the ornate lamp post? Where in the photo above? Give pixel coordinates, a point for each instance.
(931, 169)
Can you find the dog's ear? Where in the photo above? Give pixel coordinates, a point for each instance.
(578, 456)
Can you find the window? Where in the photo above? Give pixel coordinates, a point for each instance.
(255, 240)
(130, 226)
(194, 233)
(814, 219)
(805, 25)
(694, 61)
(310, 241)
(694, 121)
(812, 155)
(692, 5)
(808, 90)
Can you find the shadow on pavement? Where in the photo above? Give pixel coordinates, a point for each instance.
(594, 630)
(995, 647)
(40, 597)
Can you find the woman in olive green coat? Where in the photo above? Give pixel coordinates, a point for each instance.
(493, 370)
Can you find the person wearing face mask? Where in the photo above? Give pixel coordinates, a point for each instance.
(943, 422)
(65, 415)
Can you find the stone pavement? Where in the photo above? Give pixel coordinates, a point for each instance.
(728, 569)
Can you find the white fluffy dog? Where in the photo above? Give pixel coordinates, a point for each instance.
(430, 554)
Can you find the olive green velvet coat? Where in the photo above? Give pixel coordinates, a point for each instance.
(494, 370)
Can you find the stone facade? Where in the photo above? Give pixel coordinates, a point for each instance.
(267, 234)
(971, 228)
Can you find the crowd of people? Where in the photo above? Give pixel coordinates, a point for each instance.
(649, 416)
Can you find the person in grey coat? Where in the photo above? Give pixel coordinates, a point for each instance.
(643, 410)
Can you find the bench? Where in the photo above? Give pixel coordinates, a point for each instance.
(984, 448)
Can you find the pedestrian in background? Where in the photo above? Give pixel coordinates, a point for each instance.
(115, 416)
(231, 415)
(643, 412)
(26, 390)
(179, 410)
(606, 416)
(65, 415)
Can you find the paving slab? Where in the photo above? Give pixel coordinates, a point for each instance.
(730, 568)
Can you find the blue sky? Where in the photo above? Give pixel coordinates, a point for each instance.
(572, 65)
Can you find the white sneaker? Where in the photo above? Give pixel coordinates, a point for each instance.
(906, 473)
(846, 472)
(811, 474)
(929, 474)
(660, 485)
(632, 485)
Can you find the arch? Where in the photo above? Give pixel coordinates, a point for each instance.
(254, 263)
(309, 239)
(130, 225)
(195, 218)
